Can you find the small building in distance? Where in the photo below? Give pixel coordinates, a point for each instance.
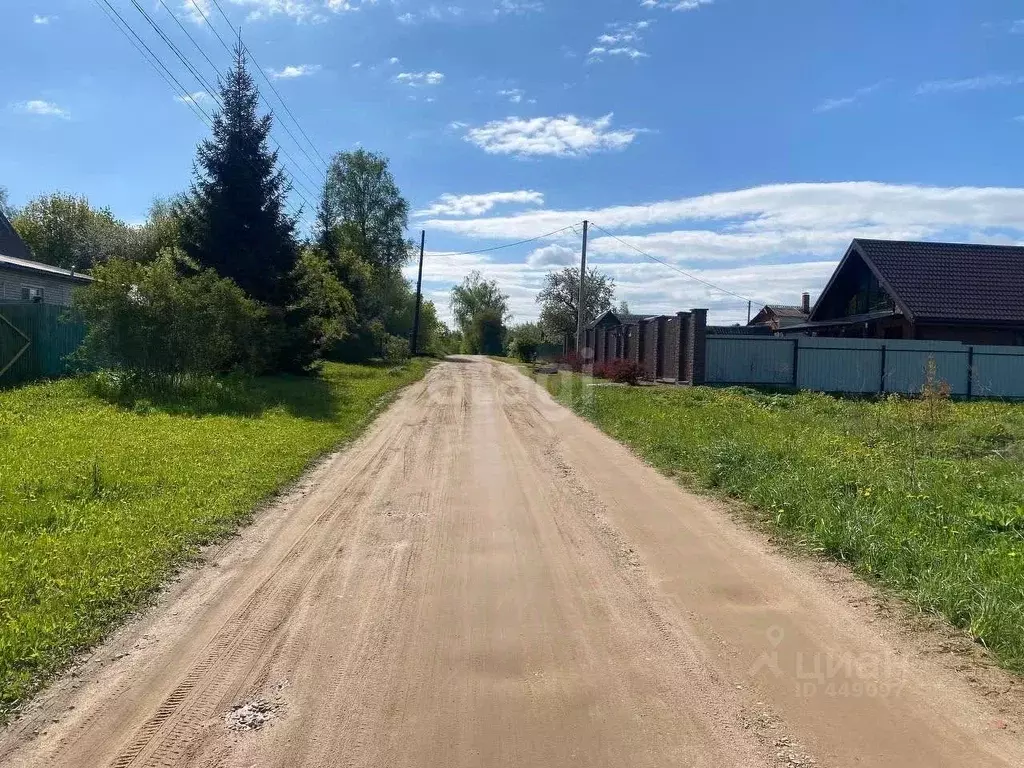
(892, 289)
(780, 316)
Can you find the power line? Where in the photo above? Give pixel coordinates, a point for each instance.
(273, 88)
(147, 53)
(683, 272)
(205, 84)
(169, 77)
(507, 245)
(188, 34)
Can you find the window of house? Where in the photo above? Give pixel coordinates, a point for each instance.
(32, 293)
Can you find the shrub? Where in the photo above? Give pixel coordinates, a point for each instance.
(396, 350)
(321, 314)
(572, 361)
(526, 341)
(620, 371)
(147, 320)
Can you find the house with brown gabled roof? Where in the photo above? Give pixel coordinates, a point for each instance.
(779, 316)
(894, 289)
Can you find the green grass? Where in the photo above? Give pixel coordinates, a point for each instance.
(925, 497)
(104, 494)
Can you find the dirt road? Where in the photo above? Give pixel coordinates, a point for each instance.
(485, 580)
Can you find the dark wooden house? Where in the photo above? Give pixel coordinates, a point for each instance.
(932, 291)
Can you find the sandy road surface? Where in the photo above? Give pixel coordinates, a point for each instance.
(485, 580)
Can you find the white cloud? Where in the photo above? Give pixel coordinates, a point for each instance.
(553, 256)
(194, 10)
(518, 7)
(43, 108)
(199, 98)
(416, 79)
(293, 71)
(357, 65)
(597, 51)
(786, 208)
(563, 136)
(830, 104)
(312, 11)
(620, 39)
(37, 19)
(475, 205)
(769, 243)
(393, 60)
(515, 95)
(676, 5)
(984, 82)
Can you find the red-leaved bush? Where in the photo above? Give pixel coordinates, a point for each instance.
(620, 371)
(572, 361)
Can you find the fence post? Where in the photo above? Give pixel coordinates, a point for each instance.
(796, 362)
(881, 378)
(683, 326)
(698, 345)
(641, 348)
(970, 372)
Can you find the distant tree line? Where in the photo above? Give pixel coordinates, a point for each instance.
(218, 277)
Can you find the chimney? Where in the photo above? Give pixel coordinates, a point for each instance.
(805, 303)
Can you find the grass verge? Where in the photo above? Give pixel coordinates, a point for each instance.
(104, 493)
(924, 496)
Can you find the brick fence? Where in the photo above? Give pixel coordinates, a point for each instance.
(668, 347)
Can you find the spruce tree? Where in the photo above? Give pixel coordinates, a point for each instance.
(234, 218)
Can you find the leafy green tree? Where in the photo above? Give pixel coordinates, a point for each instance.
(363, 210)
(481, 311)
(361, 222)
(161, 231)
(66, 231)
(5, 203)
(323, 311)
(559, 299)
(234, 219)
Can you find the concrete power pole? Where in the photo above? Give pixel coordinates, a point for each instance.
(419, 296)
(580, 301)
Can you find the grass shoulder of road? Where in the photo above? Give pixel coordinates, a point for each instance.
(103, 496)
(924, 496)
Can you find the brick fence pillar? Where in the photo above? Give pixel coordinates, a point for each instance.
(659, 353)
(682, 367)
(640, 349)
(697, 344)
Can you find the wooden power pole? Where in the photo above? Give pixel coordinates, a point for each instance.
(580, 303)
(419, 296)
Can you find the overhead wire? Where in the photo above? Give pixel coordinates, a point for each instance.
(115, 17)
(154, 61)
(507, 245)
(273, 88)
(702, 281)
(213, 91)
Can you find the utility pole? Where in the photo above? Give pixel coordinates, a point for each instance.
(748, 311)
(580, 301)
(419, 295)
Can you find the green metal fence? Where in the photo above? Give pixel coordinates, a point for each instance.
(36, 341)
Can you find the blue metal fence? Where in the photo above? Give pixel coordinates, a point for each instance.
(865, 366)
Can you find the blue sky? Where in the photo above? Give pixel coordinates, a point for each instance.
(744, 141)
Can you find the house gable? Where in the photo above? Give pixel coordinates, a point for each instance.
(856, 289)
(11, 243)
